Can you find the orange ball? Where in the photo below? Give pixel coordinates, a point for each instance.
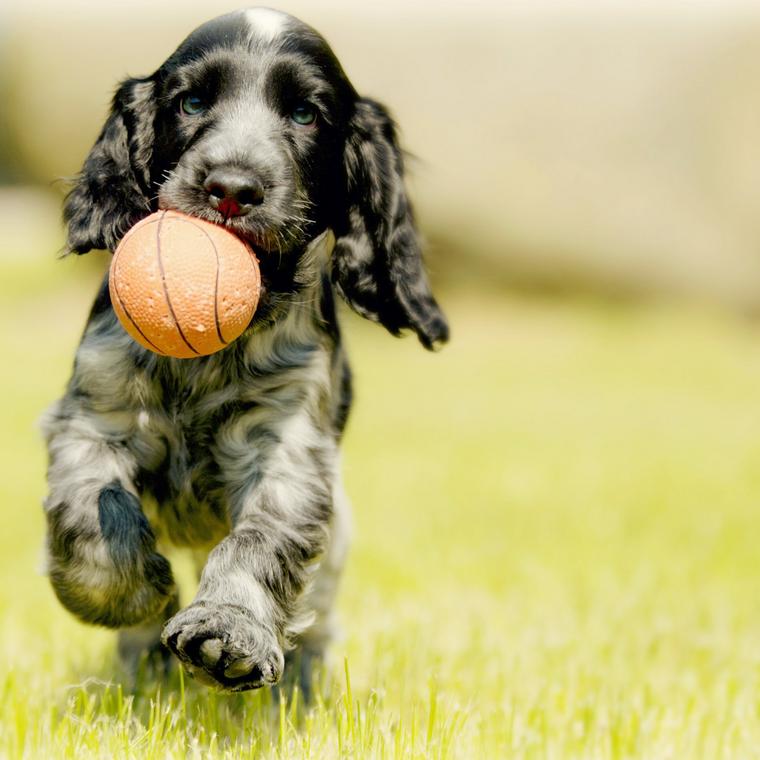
(182, 286)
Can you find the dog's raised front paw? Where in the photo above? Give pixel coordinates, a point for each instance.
(223, 645)
(112, 577)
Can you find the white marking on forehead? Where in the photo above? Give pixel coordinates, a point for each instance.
(265, 23)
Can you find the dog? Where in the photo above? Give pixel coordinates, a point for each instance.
(252, 124)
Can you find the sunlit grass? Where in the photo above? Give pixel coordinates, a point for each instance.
(555, 552)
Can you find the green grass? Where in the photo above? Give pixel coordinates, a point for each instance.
(555, 553)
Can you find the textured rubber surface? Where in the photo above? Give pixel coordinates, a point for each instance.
(182, 286)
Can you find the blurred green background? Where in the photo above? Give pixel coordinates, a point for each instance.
(556, 518)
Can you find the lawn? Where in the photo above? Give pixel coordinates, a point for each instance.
(555, 551)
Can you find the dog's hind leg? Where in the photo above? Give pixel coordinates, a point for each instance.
(304, 661)
(140, 648)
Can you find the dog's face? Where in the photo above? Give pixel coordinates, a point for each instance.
(251, 123)
(252, 114)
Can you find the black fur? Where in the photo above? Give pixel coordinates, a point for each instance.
(113, 190)
(377, 262)
(236, 453)
(124, 527)
(350, 175)
(140, 581)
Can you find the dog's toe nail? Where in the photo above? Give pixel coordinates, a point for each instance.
(238, 668)
(184, 640)
(169, 640)
(272, 669)
(211, 651)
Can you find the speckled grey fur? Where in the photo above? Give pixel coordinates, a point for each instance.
(235, 455)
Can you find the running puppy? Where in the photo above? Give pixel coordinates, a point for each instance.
(250, 123)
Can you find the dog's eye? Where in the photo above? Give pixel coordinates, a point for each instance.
(304, 114)
(192, 105)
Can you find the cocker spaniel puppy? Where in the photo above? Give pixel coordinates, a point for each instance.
(251, 123)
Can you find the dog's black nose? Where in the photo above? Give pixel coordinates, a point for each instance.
(233, 192)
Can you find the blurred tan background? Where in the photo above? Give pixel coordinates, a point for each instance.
(612, 147)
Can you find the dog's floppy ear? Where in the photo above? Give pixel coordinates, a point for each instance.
(112, 191)
(377, 262)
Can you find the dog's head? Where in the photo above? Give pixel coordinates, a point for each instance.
(253, 124)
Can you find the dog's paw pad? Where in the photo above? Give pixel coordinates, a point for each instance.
(211, 651)
(240, 668)
(224, 646)
(267, 672)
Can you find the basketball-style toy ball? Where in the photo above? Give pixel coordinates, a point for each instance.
(182, 286)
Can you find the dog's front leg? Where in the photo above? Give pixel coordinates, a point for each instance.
(234, 632)
(102, 560)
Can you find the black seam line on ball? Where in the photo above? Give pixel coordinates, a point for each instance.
(216, 287)
(132, 321)
(146, 222)
(166, 290)
(114, 263)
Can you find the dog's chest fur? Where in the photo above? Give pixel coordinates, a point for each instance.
(202, 432)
